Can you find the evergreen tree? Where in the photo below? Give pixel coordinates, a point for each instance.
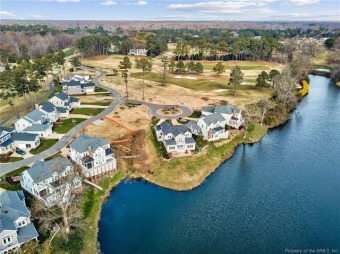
(124, 66)
(219, 68)
(236, 78)
(262, 79)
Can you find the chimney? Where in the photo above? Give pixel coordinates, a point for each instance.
(234, 113)
(89, 150)
(210, 134)
(36, 106)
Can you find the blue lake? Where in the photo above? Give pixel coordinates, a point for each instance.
(281, 193)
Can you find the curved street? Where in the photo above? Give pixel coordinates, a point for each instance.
(67, 138)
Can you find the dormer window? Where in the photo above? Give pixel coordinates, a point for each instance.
(6, 240)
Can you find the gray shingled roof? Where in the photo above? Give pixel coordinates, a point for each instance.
(81, 143)
(193, 124)
(190, 141)
(217, 129)
(62, 110)
(213, 118)
(73, 99)
(23, 136)
(6, 223)
(37, 127)
(12, 205)
(27, 233)
(226, 109)
(48, 107)
(42, 170)
(87, 85)
(73, 83)
(208, 109)
(62, 96)
(170, 142)
(34, 115)
(175, 130)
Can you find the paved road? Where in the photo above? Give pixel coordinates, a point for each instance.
(68, 137)
(153, 108)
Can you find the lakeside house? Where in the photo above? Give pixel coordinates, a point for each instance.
(35, 122)
(64, 103)
(232, 114)
(93, 154)
(10, 139)
(211, 127)
(177, 139)
(16, 227)
(50, 181)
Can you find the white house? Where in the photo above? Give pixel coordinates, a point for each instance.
(35, 122)
(49, 110)
(16, 227)
(177, 139)
(76, 87)
(93, 154)
(82, 78)
(64, 103)
(6, 143)
(137, 52)
(9, 140)
(232, 114)
(213, 127)
(50, 181)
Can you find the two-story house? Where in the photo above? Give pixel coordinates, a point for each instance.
(93, 154)
(49, 110)
(213, 127)
(232, 114)
(64, 103)
(76, 87)
(51, 181)
(16, 227)
(10, 139)
(35, 122)
(6, 143)
(138, 52)
(177, 139)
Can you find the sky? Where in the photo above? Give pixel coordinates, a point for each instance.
(231, 10)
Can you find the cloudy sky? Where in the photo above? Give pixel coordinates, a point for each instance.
(245, 10)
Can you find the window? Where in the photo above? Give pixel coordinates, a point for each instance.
(190, 146)
(6, 240)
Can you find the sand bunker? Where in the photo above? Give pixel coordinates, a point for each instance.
(186, 77)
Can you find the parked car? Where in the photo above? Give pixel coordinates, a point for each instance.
(19, 151)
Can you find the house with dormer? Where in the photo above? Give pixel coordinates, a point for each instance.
(76, 87)
(49, 110)
(213, 127)
(51, 181)
(10, 139)
(232, 114)
(16, 227)
(177, 139)
(35, 122)
(64, 103)
(93, 154)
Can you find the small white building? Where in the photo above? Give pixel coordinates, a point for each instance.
(16, 227)
(177, 139)
(93, 154)
(50, 181)
(232, 114)
(35, 122)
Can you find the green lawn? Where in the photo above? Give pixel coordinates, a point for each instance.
(7, 186)
(98, 103)
(99, 89)
(44, 145)
(87, 111)
(260, 67)
(13, 159)
(67, 125)
(69, 52)
(16, 172)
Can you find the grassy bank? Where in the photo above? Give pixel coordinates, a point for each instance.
(87, 111)
(44, 145)
(189, 172)
(92, 207)
(67, 125)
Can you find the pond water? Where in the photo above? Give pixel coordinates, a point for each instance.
(281, 193)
